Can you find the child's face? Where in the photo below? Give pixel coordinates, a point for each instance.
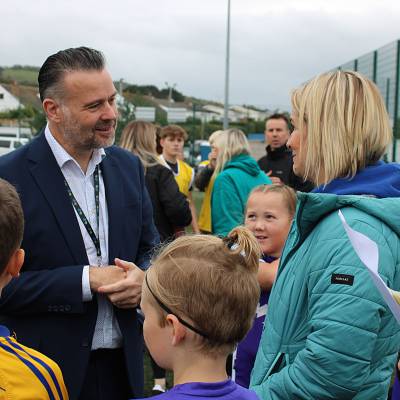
(155, 335)
(172, 146)
(268, 218)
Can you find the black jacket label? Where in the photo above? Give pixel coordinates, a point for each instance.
(342, 279)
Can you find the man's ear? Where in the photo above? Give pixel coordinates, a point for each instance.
(162, 141)
(15, 263)
(52, 110)
(178, 330)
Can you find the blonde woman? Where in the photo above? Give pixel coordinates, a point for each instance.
(204, 181)
(237, 173)
(329, 334)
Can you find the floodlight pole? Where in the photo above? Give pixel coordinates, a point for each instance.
(228, 33)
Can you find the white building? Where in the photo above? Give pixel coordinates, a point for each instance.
(7, 100)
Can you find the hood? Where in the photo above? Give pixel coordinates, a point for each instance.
(244, 162)
(312, 207)
(378, 180)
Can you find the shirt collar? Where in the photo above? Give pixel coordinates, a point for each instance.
(4, 331)
(62, 156)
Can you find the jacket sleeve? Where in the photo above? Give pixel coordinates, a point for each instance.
(51, 290)
(149, 236)
(174, 203)
(203, 178)
(226, 206)
(344, 323)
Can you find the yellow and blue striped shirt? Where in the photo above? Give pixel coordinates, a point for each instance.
(27, 374)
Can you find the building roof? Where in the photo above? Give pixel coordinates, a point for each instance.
(27, 95)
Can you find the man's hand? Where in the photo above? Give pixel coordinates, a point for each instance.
(126, 292)
(274, 179)
(100, 276)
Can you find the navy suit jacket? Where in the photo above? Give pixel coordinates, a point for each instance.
(44, 305)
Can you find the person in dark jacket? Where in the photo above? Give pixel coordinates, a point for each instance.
(278, 162)
(171, 209)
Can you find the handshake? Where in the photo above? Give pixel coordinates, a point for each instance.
(122, 283)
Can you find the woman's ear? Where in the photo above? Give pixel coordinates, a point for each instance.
(178, 331)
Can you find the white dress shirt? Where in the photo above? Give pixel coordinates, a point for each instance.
(107, 333)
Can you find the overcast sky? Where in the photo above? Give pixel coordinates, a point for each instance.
(275, 45)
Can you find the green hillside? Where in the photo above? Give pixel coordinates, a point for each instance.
(24, 75)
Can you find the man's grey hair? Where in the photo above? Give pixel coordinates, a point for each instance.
(75, 59)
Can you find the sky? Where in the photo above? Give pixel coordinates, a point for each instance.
(275, 45)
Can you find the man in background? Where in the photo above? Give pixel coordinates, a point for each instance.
(278, 162)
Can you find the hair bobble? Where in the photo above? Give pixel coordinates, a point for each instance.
(232, 245)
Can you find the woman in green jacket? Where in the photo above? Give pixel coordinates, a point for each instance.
(237, 173)
(329, 334)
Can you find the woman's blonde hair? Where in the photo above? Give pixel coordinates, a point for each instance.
(288, 194)
(212, 283)
(213, 137)
(139, 137)
(230, 143)
(346, 123)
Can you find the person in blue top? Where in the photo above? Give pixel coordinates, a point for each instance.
(329, 334)
(199, 299)
(237, 173)
(269, 215)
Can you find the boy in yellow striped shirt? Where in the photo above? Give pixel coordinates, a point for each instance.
(25, 374)
(172, 139)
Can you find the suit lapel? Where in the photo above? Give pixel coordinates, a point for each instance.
(115, 203)
(49, 178)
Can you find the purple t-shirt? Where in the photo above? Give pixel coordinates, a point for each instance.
(225, 390)
(247, 349)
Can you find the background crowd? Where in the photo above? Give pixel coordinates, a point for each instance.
(267, 299)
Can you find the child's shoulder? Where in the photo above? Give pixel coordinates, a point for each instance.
(245, 394)
(28, 371)
(226, 390)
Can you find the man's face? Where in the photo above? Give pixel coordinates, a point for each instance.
(172, 146)
(276, 133)
(88, 111)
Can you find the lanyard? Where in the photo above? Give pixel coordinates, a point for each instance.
(82, 216)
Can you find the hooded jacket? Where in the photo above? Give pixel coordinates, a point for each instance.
(230, 192)
(327, 337)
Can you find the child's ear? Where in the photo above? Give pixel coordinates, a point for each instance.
(178, 330)
(15, 263)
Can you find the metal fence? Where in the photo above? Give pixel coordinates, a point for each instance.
(383, 67)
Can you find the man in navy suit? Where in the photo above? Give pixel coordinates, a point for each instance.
(86, 210)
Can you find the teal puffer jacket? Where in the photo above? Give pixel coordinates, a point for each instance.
(231, 189)
(324, 339)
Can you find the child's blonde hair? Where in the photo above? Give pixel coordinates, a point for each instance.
(288, 194)
(210, 284)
